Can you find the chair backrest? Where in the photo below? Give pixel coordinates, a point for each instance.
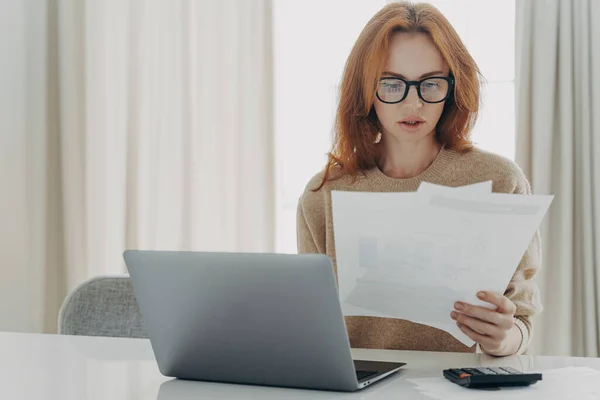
(102, 306)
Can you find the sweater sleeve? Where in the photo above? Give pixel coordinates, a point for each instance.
(311, 220)
(522, 289)
(305, 239)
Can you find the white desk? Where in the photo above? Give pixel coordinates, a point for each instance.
(77, 368)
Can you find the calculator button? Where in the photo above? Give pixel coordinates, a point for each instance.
(511, 370)
(472, 371)
(500, 371)
(487, 371)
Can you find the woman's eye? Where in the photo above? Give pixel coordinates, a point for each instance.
(392, 86)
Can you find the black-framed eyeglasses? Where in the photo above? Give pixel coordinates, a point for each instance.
(434, 89)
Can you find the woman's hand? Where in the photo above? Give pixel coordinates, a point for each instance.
(494, 330)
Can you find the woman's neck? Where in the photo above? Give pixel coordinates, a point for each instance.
(404, 160)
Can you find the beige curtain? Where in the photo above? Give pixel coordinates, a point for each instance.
(558, 145)
(132, 124)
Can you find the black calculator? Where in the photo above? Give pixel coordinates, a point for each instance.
(490, 377)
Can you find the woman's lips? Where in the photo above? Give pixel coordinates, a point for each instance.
(411, 125)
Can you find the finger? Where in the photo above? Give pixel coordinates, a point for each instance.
(484, 314)
(503, 304)
(477, 325)
(484, 341)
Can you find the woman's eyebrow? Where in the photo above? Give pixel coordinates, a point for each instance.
(432, 73)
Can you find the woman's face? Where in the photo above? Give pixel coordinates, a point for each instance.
(412, 57)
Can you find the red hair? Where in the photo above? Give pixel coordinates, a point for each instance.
(357, 126)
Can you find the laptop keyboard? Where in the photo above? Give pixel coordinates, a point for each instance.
(360, 375)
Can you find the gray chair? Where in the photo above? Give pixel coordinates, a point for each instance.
(102, 306)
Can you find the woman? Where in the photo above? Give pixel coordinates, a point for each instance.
(409, 98)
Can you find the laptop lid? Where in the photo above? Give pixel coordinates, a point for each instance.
(266, 319)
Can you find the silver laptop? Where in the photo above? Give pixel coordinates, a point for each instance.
(248, 318)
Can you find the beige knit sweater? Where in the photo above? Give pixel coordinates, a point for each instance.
(315, 235)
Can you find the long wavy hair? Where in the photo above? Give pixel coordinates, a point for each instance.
(356, 123)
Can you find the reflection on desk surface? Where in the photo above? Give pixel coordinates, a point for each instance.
(176, 389)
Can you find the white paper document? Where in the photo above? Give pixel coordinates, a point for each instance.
(570, 383)
(413, 255)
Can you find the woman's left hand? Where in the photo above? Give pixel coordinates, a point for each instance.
(494, 330)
